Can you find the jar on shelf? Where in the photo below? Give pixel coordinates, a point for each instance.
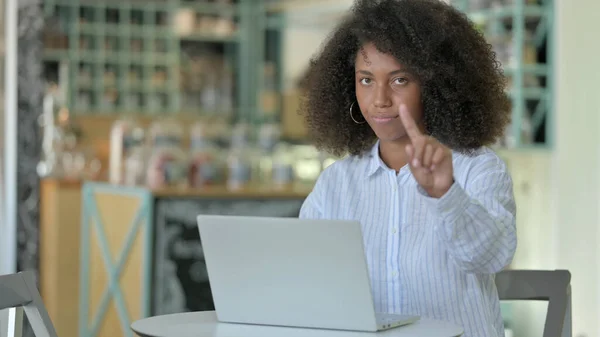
(167, 165)
(205, 167)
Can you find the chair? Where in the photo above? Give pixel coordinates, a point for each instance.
(18, 293)
(553, 286)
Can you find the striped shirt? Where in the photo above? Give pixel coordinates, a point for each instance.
(432, 257)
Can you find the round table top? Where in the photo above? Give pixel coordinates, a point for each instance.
(205, 324)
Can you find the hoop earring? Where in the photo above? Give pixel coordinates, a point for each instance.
(351, 116)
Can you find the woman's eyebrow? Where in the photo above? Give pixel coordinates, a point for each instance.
(364, 72)
(394, 72)
(399, 71)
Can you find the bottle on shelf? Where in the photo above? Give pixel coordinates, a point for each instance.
(269, 95)
(526, 132)
(210, 92)
(283, 168)
(268, 138)
(240, 159)
(227, 85)
(167, 165)
(135, 166)
(205, 167)
(125, 134)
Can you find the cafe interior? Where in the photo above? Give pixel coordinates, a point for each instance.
(122, 121)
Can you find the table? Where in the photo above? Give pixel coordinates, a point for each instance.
(205, 324)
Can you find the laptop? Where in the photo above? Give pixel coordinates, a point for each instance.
(291, 272)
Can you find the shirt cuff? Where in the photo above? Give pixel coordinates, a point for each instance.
(451, 205)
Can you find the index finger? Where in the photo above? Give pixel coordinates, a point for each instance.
(409, 123)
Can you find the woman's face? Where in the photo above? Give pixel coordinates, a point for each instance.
(382, 85)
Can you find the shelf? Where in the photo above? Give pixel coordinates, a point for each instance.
(56, 55)
(154, 4)
(199, 37)
(298, 6)
(524, 149)
(533, 69)
(220, 192)
(129, 30)
(529, 93)
(275, 22)
(212, 8)
(115, 58)
(107, 45)
(529, 30)
(505, 12)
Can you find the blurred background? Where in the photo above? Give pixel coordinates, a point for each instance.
(123, 120)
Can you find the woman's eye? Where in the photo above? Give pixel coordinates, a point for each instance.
(365, 81)
(400, 81)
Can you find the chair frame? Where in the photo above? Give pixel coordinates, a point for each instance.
(18, 294)
(553, 286)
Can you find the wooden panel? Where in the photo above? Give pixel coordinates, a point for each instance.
(110, 326)
(131, 278)
(59, 253)
(98, 279)
(117, 215)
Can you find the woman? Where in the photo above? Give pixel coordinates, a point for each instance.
(412, 92)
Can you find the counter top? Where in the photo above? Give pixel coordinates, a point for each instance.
(223, 192)
(62, 183)
(217, 191)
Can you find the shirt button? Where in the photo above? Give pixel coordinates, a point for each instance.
(394, 274)
(394, 231)
(394, 187)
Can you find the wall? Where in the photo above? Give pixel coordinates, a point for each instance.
(299, 46)
(531, 173)
(305, 33)
(8, 138)
(576, 161)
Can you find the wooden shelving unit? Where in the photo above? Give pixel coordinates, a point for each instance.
(521, 32)
(153, 57)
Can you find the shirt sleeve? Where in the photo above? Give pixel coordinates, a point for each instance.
(312, 207)
(478, 223)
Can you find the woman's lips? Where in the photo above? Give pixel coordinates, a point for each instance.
(382, 119)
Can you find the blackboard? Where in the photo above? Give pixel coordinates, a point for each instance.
(180, 281)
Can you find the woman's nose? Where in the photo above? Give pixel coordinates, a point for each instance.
(382, 97)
